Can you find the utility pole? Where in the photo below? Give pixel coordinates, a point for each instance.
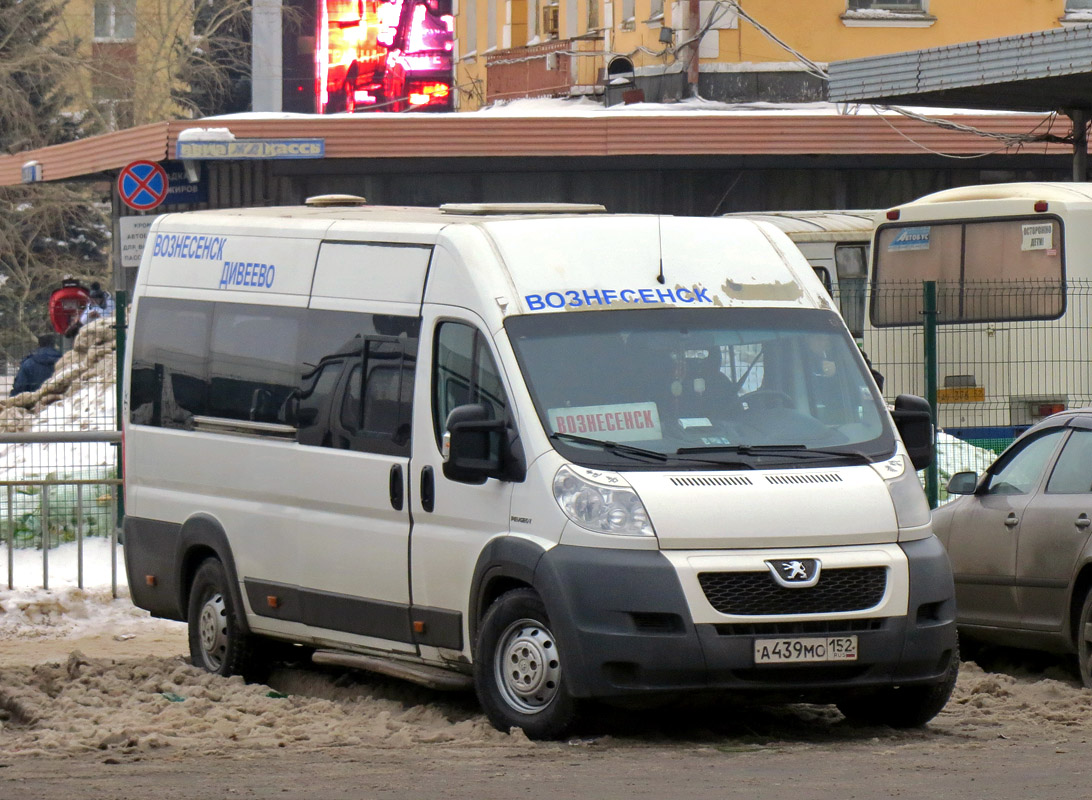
(266, 60)
(693, 24)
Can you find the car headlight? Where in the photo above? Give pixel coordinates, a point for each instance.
(600, 506)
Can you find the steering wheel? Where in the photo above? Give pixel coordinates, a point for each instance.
(773, 398)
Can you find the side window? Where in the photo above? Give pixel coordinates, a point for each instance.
(463, 372)
(851, 264)
(356, 387)
(253, 372)
(1073, 472)
(169, 379)
(1019, 472)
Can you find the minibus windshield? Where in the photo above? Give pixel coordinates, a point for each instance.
(701, 387)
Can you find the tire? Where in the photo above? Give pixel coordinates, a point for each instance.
(1084, 641)
(518, 673)
(218, 643)
(902, 706)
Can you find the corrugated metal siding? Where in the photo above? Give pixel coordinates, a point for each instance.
(88, 156)
(465, 135)
(1029, 56)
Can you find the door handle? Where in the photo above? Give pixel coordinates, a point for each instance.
(1011, 521)
(397, 487)
(1083, 521)
(428, 489)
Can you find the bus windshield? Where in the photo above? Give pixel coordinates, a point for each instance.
(700, 387)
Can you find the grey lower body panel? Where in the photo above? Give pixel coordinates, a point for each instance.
(625, 629)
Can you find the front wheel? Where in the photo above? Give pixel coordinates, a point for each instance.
(218, 642)
(903, 706)
(518, 672)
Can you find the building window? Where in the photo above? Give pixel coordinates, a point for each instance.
(1078, 5)
(115, 19)
(656, 9)
(471, 28)
(915, 6)
(491, 25)
(593, 15)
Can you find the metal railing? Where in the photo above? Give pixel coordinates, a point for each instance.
(40, 517)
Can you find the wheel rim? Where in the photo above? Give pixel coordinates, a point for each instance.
(212, 631)
(527, 666)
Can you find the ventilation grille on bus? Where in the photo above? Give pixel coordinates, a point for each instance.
(795, 478)
(712, 481)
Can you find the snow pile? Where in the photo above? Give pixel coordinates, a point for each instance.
(79, 393)
(955, 455)
(163, 704)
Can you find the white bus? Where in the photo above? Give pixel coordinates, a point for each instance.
(1013, 308)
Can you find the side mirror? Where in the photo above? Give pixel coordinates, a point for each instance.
(914, 420)
(477, 447)
(962, 483)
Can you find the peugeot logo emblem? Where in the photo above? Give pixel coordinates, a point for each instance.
(795, 573)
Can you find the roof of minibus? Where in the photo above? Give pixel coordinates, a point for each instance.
(817, 226)
(560, 259)
(1069, 193)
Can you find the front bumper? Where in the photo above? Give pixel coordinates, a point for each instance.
(626, 628)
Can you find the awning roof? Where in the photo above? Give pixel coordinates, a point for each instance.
(378, 136)
(1041, 71)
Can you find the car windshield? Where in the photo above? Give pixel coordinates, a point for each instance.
(737, 387)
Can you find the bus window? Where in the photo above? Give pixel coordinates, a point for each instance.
(851, 265)
(970, 261)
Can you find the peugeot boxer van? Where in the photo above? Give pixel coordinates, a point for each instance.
(551, 453)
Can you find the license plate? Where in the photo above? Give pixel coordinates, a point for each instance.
(789, 651)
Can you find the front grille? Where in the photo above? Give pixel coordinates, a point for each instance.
(757, 593)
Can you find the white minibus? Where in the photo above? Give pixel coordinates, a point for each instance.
(551, 453)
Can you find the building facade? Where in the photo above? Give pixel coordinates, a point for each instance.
(730, 50)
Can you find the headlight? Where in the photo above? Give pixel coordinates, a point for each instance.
(601, 507)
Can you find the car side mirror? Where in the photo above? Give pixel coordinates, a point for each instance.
(477, 447)
(914, 420)
(963, 483)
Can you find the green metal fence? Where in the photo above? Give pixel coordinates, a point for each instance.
(1008, 353)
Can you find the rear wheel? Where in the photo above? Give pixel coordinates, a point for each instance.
(903, 706)
(218, 643)
(518, 671)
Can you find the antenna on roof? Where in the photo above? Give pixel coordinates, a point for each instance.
(660, 237)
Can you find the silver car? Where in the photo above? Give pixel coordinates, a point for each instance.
(1019, 541)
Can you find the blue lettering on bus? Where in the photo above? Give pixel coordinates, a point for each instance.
(585, 298)
(247, 273)
(188, 245)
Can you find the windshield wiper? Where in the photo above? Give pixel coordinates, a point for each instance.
(630, 450)
(790, 450)
(614, 447)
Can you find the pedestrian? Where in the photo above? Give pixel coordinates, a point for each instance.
(99, 305)
(37, 366)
